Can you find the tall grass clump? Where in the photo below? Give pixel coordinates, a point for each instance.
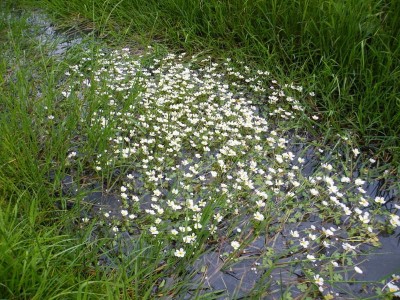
(348, 51)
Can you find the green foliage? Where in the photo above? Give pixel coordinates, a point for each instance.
(49, 252)
(347, 51)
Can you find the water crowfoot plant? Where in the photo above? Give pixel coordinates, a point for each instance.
(196, 157)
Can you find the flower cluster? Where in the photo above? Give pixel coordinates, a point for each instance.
(198, 155)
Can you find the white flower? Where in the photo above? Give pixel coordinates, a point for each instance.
(358, 270)
(358, 181)
(327, 232)
(260, 203)
(180, 252)
(72, 154)
(314, 192)
(327, 166)
(311, 257)
(363, 202)
(213, 228)
(185, 229)
(296, 183)
(347, 211)
(380, 200)
(258, 216)
(312, 236)
(124, 212)
(304, 243)
(395, 277)
(393, 289)
(294, 234)
(197, 226)
(364, 218)
(332, 189)
(218, 217)
(66, 93)
(153, 230)
(189, 238)
(318, 280)
(347, 246)
(394, 220)
(279, 158)
(345, 179)
(235, 245)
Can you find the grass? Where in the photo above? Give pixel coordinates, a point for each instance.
(198, 161)
(346, 51)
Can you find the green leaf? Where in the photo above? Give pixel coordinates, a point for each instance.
(302, 287)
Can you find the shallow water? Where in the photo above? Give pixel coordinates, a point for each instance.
(48, 34)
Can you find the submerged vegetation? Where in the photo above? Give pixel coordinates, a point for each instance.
(138, 173)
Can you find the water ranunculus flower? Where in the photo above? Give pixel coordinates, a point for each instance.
(294, 234)
(356, 152)
(358, 270)
(180, 252)
(304, 243)
(235, 245)
(394, 220)
(318, 280)
(153, 230)
(259, 216)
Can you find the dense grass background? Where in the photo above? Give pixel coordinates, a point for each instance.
(347, 51)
